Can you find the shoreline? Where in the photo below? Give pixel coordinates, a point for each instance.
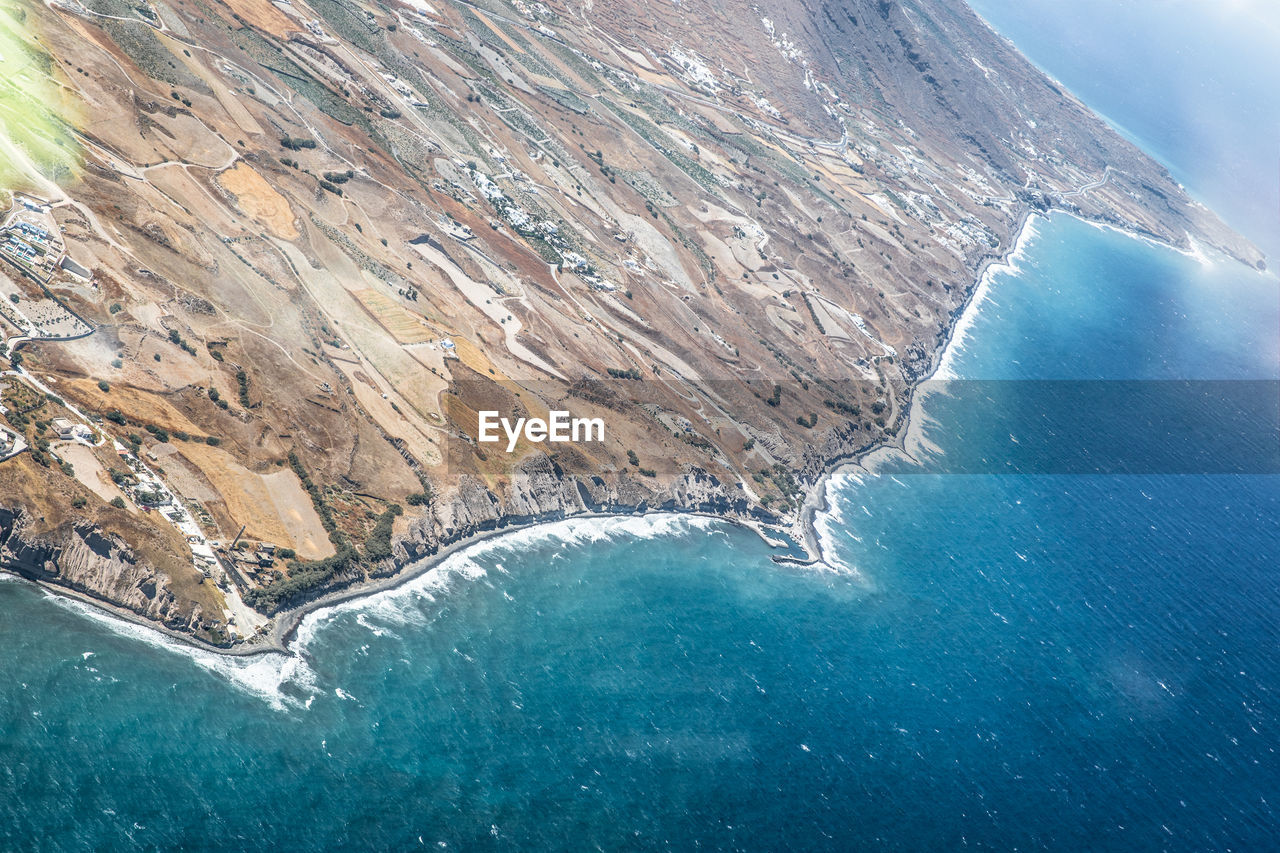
(802, 528)
(285, 624)
(816, 502)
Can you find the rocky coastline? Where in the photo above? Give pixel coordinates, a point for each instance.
(101, 571)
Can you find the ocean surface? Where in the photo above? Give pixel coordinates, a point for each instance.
(1075, 650)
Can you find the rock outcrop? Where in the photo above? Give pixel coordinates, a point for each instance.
(540, 492)
(81, 557)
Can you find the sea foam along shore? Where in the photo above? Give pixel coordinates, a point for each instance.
(284, 678)
(960, 331)
(803, 530)
(819, 510)
(819, 503)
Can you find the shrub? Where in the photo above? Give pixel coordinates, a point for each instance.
(243, 379)
(297, 143)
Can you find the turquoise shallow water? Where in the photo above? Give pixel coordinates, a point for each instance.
(1070, 661)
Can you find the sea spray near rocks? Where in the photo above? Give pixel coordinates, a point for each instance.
(1009, 265)
(265, 676)
(396, 605)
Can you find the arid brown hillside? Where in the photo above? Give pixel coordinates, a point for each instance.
(319, 236)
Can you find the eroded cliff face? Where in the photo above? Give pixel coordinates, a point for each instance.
(325, 238)
(81, 557)
(539, 491)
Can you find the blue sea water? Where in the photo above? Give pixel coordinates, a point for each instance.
(1048, 659)
(1064, 661)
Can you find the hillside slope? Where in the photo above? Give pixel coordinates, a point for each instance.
(313, 239)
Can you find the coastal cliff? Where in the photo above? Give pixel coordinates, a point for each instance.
(82, 558)
(514, 208)
(539, 492)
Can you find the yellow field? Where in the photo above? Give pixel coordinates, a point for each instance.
(403, 324)
(273, 507)
(137, 404)
(260, 200)
(261, 13)
(473, 357)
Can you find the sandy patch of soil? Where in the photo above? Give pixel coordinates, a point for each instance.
(260, 200)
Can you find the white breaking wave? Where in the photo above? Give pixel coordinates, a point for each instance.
(830, 524)
(1011, 265)
(288, 683)
(401, 605)
(1195, 251)
(264, 676)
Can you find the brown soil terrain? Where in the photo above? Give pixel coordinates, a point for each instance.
(257, 198)
(324, 235)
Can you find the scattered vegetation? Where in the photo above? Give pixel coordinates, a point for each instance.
(297, 143)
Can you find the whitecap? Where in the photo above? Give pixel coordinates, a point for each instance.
(401, 605)
(1010, 265)
(363, 620)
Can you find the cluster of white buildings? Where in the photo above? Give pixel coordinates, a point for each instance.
(70, 431)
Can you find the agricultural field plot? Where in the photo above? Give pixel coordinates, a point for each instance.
(273, 507)
(260, 200)
(405, 326)
(10, 311)
(88, 468)
(19, 397)
(51, 320)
